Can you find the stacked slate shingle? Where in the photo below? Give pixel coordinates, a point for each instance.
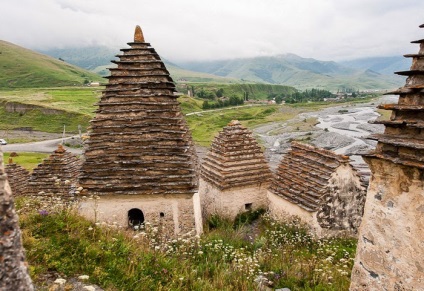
(390, 246)
(304, 173)
(235, 159)
(403, 139)
(139, 141)
(56, 175)
(18, 178)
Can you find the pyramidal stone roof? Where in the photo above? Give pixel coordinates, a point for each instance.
(139, 141)
(18, 178)
(403, 139)
(235, 159)
(304, 173)
(55, 175)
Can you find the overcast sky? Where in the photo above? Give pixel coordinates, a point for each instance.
(220, 29)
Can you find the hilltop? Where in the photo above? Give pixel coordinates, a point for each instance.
(23, 68)
(302, 73)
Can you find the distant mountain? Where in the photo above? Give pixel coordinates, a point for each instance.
(382, 65)
(85, 57)
(288, 69)
(296, 71)
(23, 68)
(98, 59)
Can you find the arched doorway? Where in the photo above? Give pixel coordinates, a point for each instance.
(135, 217)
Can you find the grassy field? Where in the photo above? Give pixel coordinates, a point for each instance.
(76, 107)
(27, 160)
(228, 256)
(254, 91)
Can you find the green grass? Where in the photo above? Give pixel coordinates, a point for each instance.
(23, 68)
(74, 106)
(255, 91)
(225, 257)
(27, 160)
(206, 125)
(77, 107)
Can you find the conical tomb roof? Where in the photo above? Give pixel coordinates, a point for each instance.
(55, 175)
(235, 159)
(139, 141)
(403, 139)
(304, 173)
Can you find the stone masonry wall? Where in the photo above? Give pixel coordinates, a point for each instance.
(13, 267)
(173, 213)
(228, 203)
(391, 243)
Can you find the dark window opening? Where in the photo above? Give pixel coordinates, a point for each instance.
(162, 214)
(248, 206)
(135, 217)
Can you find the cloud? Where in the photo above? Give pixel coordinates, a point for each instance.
(220, 29)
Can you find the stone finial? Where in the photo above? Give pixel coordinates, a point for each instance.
(10, 160)
(234, 123)
(138, 34)
(60, 149)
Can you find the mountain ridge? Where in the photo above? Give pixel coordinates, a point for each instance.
(283, 69)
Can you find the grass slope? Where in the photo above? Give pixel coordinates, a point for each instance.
(228, 256)
(74, 106)
(23, 68)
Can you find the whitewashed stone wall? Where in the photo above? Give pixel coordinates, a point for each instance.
(228, 203)
(177, 214)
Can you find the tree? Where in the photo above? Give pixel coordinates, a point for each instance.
(279, 99)
(13, 269)
(206, 105)
(219, 92)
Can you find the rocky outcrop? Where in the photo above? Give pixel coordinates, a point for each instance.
(13, 267)
(320, 187)
(56, 175)
(390, 249)
(18, 178)
(234, 173)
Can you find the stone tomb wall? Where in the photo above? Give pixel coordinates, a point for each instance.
(18, 178)
(176, 213)
(321, 188)
(340, 209)
(390, 254)
(230, 202)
